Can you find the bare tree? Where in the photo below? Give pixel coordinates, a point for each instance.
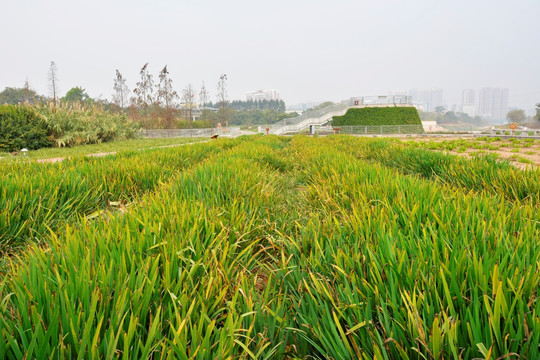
(27, 92)
(121, 90)
(144, 89)
(165, 92)
(222, 98)
(188, 96)
(203, 96)
(53, 81)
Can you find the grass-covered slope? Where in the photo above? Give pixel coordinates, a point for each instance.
(379, 116)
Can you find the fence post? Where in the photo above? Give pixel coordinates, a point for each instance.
(399, 129)
(381, 129)
(365, 130)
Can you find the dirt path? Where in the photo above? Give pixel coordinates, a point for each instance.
(58, 159)
(526, 157)
(507, 155)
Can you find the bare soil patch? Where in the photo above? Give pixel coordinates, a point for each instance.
(525, 156)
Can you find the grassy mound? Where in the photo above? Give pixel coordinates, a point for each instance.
(379, 116)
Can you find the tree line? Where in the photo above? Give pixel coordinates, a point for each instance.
(276, 105)
(449, 117)
(154, 103)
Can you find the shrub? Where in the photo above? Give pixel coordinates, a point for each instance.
(75, 124)
(379, 116)
(22, 127)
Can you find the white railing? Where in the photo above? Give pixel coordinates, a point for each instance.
(517, 132)
(371, 129)
(168, 133)
(384, 100)
(308, 118)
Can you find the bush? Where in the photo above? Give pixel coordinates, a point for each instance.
(77, 124)
(379, 116)
(22, 127)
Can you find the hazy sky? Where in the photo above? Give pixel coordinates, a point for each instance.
(308, 50)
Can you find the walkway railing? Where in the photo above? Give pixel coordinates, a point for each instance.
(517, 132)
(384, 100)
(171, 133)
(312, 117)
(370, 129)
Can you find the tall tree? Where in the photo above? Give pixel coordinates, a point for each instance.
(439, 109)
(165, 92)
(516, 116)
(222, 98)
(144, 89)
(77, 94)
(203, 96)
(188, 97)
(53, 81)
(121, 90)
(19, 95)
(538, 111)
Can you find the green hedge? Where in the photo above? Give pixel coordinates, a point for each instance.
(22, 127)
(379, 116)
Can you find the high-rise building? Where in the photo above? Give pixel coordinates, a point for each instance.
(485, 102)
(270, 94)
(493, 103)
(468, 102)
(429, 99)
(500, 104)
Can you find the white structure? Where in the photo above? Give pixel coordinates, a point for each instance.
(269, 94)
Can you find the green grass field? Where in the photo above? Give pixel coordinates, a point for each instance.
(271, 248)
(121, 145)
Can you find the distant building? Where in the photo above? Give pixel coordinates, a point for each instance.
(427, 99)
(493, 103)
(397, 93)
(270, 94)
(468, 102)
(485, 102)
